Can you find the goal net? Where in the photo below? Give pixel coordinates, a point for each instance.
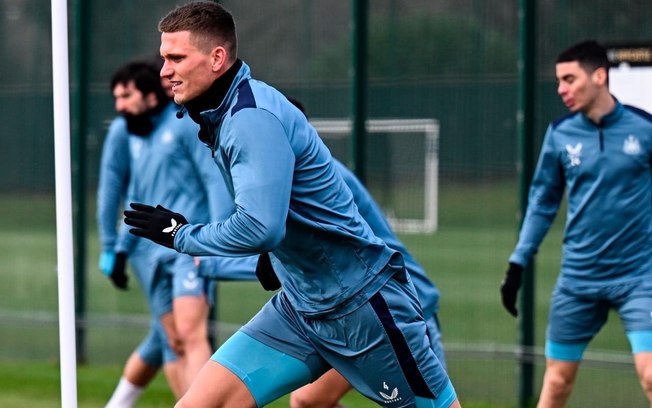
(402, 164)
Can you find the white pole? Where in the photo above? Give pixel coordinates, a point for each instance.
(65, 265)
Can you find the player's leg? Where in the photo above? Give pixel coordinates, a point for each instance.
(138, 372)
(575, 317)
(643, 363)
(158, 292)
(325, 392)
(171, 366)
(171, 371)
(558, 382)
(190, 308)
(135, 377)
(634, 304)
(141, 367)
(216, 386)
(268, 358)
(191, 321)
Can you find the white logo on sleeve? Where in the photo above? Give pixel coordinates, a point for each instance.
(574, 153)
(191, 282)
(391, 397)
(631, 145)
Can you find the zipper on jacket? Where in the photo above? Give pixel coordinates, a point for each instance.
(601, 135)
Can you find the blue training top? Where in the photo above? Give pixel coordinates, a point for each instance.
(290, 200)
(373, 214)
(170, 167)
(607, 171)
(113, 182)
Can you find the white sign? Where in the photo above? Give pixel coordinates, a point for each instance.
(632, 85)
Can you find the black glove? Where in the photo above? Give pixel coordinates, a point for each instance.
(265, 273)
(510, 286)
(118, 275)
(158, 224)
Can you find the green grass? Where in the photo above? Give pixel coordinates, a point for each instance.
(466, 257)
(36, 385)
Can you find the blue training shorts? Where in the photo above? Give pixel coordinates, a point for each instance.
(381, 348)
(161, 282)
(434, 334)
(578, 313)
(154, 349)
(164, 280)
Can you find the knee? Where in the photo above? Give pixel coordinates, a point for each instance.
(191, 333)
(559, 384)
(645, 377)
(300, 399)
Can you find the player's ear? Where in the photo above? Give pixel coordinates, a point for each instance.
(218, 58)
(151, 100)
(600, 76)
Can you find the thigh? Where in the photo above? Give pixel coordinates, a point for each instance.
(190, 315)
(575, 317)
(216, 385)
(383, 348)
(634, 305)
(271, 354)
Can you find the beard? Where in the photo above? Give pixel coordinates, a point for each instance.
(140, 125)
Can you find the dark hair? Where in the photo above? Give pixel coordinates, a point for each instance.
(209, 23)
(589, 54)
(145, 77)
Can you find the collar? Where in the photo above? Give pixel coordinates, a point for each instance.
(610, 118)
(214, 95)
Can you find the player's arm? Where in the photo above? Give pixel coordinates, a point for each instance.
(544, 199)
(113, 182)
(112, 188)
(260, 161)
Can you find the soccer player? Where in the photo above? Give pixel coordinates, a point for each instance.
(601, 153)
(148, 152)
(330, 388)
(347, 301)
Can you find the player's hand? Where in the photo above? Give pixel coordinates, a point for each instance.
(265, 273)
(156, 223)
(112, 266)
(118, 275)
(510, 286)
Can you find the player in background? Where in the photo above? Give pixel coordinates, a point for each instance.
(148, 151)
(326, 391)
(601, 154)
(347, 301)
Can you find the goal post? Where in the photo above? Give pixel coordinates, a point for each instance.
(403, 166)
